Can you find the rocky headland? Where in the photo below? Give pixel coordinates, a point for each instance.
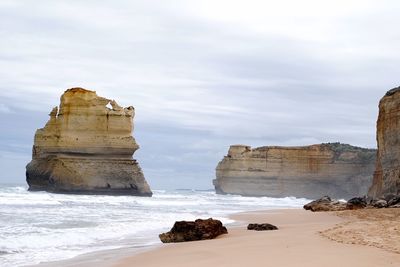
(387, 174)
(86, 147)
(334, 169)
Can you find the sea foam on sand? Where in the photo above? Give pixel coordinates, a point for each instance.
(40, 227)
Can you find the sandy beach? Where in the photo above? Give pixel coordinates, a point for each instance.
(352, 238)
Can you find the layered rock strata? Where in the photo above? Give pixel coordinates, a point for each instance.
(86, 148)
(387, 174)
(338, 170)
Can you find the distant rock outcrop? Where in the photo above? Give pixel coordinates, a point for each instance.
(334, 169)
(387, 174)
(86, 148)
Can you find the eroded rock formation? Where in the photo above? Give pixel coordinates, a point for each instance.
(86, 147)
(387, 173)
(334, 169)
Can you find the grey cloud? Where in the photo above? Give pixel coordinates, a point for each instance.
(4, 108)
(198, 82)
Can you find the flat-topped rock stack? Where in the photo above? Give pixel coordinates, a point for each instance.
(387, 175)
(338, 170)
(86, 148)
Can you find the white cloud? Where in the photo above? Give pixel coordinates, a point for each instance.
(256, 72)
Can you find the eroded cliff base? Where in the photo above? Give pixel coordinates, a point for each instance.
(81, 175)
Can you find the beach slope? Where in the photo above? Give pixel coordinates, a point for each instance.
(298, 242)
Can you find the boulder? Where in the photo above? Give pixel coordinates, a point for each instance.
(379, 204)
(392, 200)
(86, 147)
(325, 204)
(184, 231)
(261, 227)
(356, 203)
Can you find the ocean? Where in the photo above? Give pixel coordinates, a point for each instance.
(39, 227)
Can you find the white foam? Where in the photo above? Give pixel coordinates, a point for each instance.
(38, 226)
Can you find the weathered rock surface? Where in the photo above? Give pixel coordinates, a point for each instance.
(387, 174)
(261, 227)
(392, 199)
(356, 203)
(379, 204)
(338, 170)
(86, 148)
(183, 231)
(325, 204)
(366, 202)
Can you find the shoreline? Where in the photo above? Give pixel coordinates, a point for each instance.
(56, 228)
(100, 258)
(304, 239)
(298, 242)
(109, 257)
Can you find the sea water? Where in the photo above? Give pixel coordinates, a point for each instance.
(39, 227)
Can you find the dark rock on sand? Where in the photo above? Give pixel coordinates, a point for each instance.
(325, 204)
(356, 203)
(392, 200)
(379, 204)
(261, 227)
(183, 231)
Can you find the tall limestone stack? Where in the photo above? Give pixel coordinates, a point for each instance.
(387, 173)
(86, 148)
(334, 169)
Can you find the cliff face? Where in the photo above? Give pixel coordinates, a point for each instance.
(387, 173)
(337, 170)
(86, 147)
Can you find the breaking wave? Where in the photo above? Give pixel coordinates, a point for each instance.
(39, 227)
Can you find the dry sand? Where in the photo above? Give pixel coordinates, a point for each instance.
(370, 227)
(302, 240)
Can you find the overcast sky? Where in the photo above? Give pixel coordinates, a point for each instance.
(202, 75)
